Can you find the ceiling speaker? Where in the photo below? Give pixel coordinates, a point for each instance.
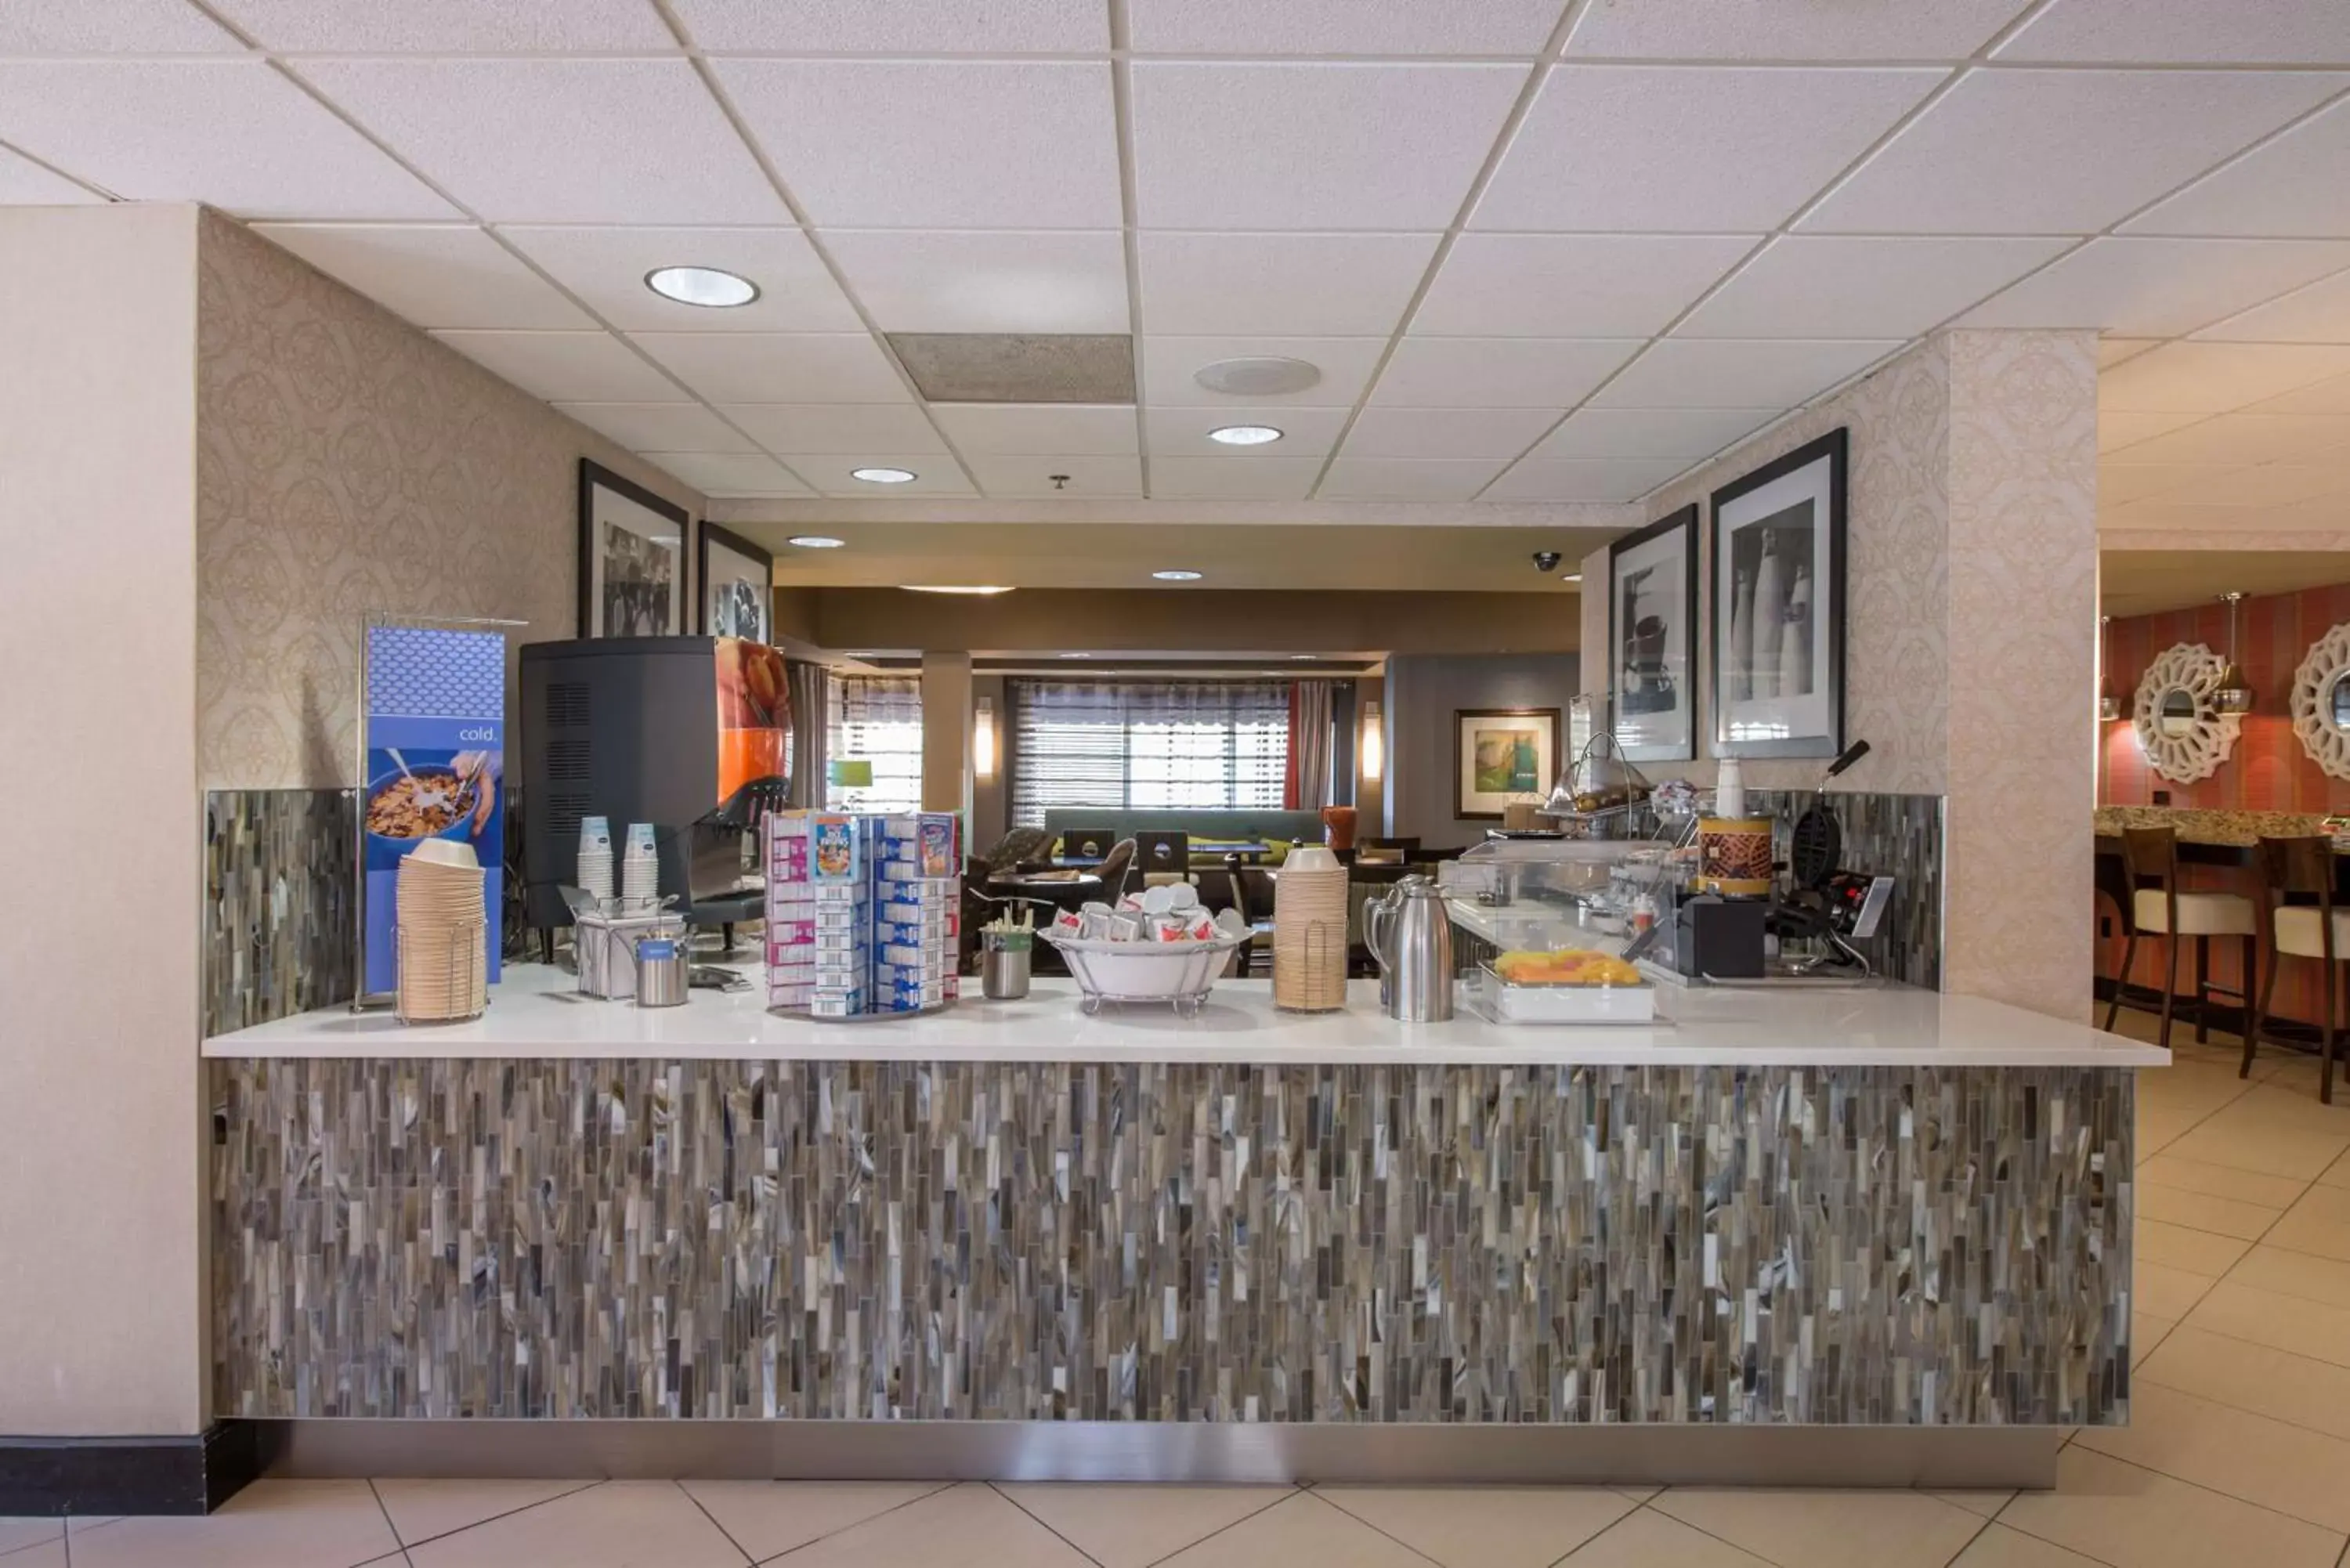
(1263, 376)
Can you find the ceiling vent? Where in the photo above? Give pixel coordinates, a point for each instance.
(1018, 367)
(1262, 376)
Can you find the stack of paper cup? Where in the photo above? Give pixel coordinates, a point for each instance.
(1309, 932)
(641, 868)
(443, 934)
(595, 872)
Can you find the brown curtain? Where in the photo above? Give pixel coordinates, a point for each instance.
(809, 716)
(1309, 743)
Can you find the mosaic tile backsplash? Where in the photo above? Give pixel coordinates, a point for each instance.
(1897, 836)
(973, 1240)
(278, 904)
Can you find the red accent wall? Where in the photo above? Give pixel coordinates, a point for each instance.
(2269, 771)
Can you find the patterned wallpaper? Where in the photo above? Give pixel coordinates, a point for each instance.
(2268, 771)
(347, 463)
(1971, 596)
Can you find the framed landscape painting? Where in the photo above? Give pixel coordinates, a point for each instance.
(1499, 755)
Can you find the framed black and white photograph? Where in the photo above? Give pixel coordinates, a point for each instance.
(1652, 638)
(738, 586)
(632, 558)
(1778, 607)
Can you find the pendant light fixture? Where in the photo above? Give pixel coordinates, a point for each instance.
(2108, 705)
(2234, 693)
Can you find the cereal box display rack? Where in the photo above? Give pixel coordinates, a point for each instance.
(863, 913)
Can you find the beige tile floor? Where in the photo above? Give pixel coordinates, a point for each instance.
(2237, 1450)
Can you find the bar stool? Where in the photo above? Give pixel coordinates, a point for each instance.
(2157, 908)
(2300, 869)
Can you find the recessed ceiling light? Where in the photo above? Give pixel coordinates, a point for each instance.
(884, 476)
(816, 541)
(1302, 656)
(1245, 435)
(1076, 656)
(702, 285)
(1177, 575)
(956, 588)
(1571, 578)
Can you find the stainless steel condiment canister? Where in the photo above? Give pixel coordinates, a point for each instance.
(662, 963)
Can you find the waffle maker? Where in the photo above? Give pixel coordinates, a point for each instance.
(1820, 901)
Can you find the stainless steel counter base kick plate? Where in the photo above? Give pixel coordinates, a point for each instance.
(1945, 1458)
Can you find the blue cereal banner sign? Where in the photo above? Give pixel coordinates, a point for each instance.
(435, 768)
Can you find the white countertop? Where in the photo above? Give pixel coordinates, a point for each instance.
(535, 1014)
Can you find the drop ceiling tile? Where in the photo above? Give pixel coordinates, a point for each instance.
(2113, 351)
(2183, 33)
(233, 133)
(2120, 429)
(1702, 148)
(1498, 372)
(2294, 185)
(1818, 286)
(451, 27)
(567, 367)
(1171, 366)
(836, 427)
(728, 474)
(911, 27)
(1183, 432)
(2121, 483)
(559, 140)
(1684, 433)
(2213, 377)
(660, 427)
(1572, 285)
(446, 274)
(1394, 479)
(1342, 27)
(1792, 30)
(2330, 396)
(833, 473)
(1394, 433)
(1323, 146)
(1084, 475)
(2264, 484)
(936, 144)
(779, 367)
(2060, 151)
(25, 183)
(2238, 440)
(1737, 373)
(2158, 288)
(2317, 314)
(1233, 478)
(1577, 479)
(1029, 429)
(1277, 284)
(112, 27)
(1047, 280)
(607, 268)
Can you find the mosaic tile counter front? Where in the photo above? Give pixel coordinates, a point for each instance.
(999, 1241)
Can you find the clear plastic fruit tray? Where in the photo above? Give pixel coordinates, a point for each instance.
(1503, 1003)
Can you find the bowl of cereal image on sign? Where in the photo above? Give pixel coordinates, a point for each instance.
(428, 802)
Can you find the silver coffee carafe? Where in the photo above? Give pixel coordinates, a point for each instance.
(1411, 936)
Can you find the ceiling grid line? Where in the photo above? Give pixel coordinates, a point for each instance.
(475, 221)
(1121, 99)
(1537, 74)
(726, 106)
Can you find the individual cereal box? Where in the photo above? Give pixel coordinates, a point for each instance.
(937, 854)
(836, 851)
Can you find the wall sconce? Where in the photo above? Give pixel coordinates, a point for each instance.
(1375, 743)
(982, 740)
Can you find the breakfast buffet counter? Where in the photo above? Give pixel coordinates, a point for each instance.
(535, 1014)
(1871, 1236)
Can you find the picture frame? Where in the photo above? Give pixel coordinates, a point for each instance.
(1501, 756)
(1778, 585)
(1652, 637)
(737, 586)
(632, 561)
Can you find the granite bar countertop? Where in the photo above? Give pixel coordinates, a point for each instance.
(536, 1013)
(2196, 825)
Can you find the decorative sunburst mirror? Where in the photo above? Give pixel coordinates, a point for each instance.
(2321, 701)
(2177, 719)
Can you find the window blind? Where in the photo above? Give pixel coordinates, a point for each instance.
(875, 719)
(1180, 745)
